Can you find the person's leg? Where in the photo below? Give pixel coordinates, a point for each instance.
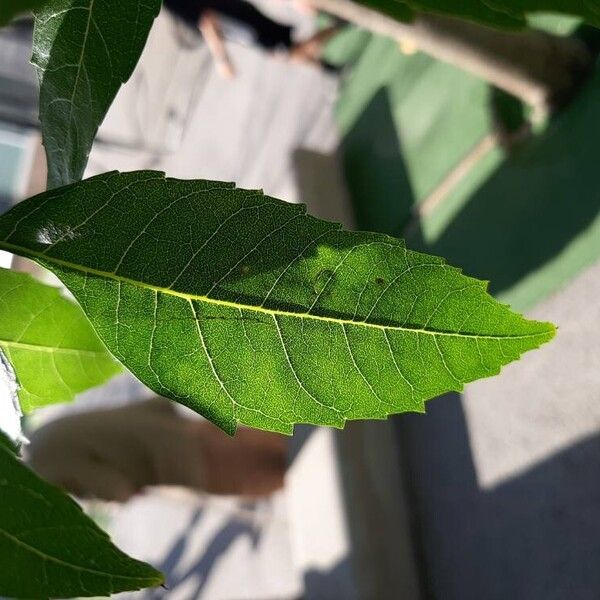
(310, 50)
(267, 33)
(272, 35)
(209, 28)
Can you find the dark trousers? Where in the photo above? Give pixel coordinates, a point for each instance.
(266, 33)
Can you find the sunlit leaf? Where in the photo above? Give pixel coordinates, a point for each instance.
(248, 310)
(48, 342)
(83, 50)
(50, 549)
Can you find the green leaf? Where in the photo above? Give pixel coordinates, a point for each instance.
(397, 9)
(8, 443)
(247, 310)
(498, 13)
(50, 549)
(83, 50)
(50, 344)
(10, 408)
(9, 9)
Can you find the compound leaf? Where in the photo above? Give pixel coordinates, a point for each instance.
(83, 51)
(49, 548)
(247, 310)
(50, 344)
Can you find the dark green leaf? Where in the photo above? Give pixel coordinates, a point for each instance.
(50, 549)
(397, 9)
(248, 310)
(10, 409)
(83, 50)
(7, 443)
(498, 13)
(52, 347)
(9, 9)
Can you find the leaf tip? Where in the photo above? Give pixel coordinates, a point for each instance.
(551, 330)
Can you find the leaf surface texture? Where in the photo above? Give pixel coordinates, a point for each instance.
(247, 310)
(54, 351)
(50, 549)
(83, 51)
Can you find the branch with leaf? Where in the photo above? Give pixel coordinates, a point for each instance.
(237, 305)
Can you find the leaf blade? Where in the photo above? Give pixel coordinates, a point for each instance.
(254, 312)
(83, 51)
(50, 548)
(49, 342)
(495, 13)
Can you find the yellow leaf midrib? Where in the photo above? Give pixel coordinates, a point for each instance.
(259, 309)
(142, 580)
(49, 349)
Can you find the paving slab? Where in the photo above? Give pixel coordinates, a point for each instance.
(506, 480)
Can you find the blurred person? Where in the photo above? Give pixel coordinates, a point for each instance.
(207, 17)
(115, 454)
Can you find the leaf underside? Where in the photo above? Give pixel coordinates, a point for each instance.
(247, 310)
(496, 13)
(50, 344)
(50, 549)
(83, 51)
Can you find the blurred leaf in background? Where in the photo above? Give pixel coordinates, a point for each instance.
(497, 13)
(53, 349)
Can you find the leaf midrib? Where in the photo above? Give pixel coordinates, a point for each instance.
(27, 547)
(56, 560)
(49, 349)
(258, 309)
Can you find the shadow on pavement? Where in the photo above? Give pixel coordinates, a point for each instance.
(535, 536)
(535, 204)
(376, 174)
(198, 573)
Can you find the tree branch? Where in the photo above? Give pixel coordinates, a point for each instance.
(542, 70)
